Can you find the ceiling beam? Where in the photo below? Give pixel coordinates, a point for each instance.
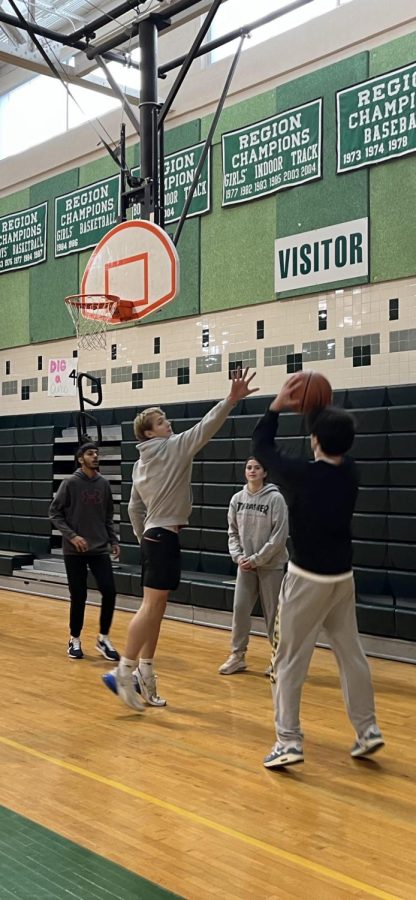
(34, 63)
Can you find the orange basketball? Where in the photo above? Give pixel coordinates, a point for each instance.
(313, 390)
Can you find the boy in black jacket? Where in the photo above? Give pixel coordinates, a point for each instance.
(82, 510)
(318, 589)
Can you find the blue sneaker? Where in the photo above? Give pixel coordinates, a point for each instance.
(110, 681)
(125, 687)
(281, 756)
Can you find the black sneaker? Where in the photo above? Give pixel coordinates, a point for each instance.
(75, 649)
(105, 647)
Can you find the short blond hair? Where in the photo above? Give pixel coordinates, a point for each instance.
(144, 421)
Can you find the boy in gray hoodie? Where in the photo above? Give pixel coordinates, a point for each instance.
(257, 535)
(160, 505)
(82, 511)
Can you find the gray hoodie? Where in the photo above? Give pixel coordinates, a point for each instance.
(258, 527)
(84, 506)
(161, 493)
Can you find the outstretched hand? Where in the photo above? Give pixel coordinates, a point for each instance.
(288, 397)
(240, 382)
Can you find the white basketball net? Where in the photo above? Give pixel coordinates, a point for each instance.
(91, 315)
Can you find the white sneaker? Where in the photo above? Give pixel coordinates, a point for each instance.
(235, 663)
(148, 688)
(370, 742)
(126, 690)
(268, 671)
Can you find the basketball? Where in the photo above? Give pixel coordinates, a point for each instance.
(312, 391)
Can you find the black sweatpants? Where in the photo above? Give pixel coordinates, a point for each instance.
(77, 572)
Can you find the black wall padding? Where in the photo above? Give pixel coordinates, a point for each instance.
(370, 446)
(373, 499)
(218, 472)
(402, 446)
(129, 451)
(215, 540)
(402, 500)
(367, 527)
(208, 596)
(214, 517)
(373, 582)
(358, 398)
(195, 520)
(402, 418)
(379, 620)
(130, 554)
(221, 449)
(371, 421)
(402, 473)
(403, 587)
(401, 395)
(369, 553)
(402, 529)
(216, 563)
(405, 624)
(127, 535)
(21, 506)
(190, 539)
(191, 560)
(242, 450)
(218, 494)
(401, 556)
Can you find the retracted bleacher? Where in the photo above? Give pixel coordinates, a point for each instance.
(26, 477)
(384, 524)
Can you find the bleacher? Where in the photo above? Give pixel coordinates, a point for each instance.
(384, 525)
(26, 481)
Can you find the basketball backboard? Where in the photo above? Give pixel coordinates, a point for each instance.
(137, 262)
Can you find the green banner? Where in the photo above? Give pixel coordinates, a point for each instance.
(23, 238)
(376, 119)
(84, 216)
(280, 152)
(179, 171)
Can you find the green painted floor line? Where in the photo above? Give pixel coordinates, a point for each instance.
(38, 864)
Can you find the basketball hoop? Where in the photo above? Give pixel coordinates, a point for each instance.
(91, 315)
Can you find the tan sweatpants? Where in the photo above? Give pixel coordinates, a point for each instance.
(305, 607)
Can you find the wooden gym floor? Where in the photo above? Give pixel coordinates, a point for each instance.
(179, 796)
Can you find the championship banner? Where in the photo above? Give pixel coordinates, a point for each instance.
(376, 120)
(84, 216)
(23, 238)
(280, 152)
(179, 171)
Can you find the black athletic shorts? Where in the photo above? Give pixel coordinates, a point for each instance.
(161, 559)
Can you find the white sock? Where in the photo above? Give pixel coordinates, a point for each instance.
(126, 666)
(102, 637)
(146, 667)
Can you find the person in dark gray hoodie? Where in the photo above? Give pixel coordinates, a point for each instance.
(257, 535)
(82, 510)
(160, 505)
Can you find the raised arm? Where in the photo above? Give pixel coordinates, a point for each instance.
(283, 469)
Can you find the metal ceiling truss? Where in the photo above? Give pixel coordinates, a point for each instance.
(99, 42)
